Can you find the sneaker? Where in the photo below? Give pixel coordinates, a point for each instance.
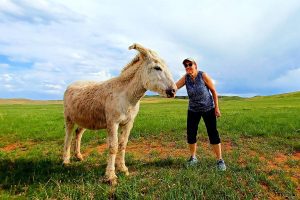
(192, 161)
(221, 165)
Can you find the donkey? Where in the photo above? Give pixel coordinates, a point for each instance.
(113, 105)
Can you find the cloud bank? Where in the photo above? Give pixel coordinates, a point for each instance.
(248, 48)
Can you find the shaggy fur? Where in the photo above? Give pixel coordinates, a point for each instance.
(114, 104)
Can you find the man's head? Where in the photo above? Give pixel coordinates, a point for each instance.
(190, 65)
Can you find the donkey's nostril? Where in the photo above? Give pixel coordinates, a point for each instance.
(170, 92)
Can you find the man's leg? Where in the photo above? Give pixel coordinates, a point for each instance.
(213, 134)
(193, 120)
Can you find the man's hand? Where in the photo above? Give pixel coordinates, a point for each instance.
(217, 112)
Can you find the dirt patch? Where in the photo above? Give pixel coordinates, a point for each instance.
(280, 161)
(296, 155)
(10, 147)
(276, 162)
(16, 146)
(145, 149)
(156, 147)
(227, 146)
(29, 101)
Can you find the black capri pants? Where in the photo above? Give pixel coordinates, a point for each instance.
(210, 121)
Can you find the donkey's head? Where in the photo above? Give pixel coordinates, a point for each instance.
(155, 74)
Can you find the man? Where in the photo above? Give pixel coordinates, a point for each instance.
(203, 102)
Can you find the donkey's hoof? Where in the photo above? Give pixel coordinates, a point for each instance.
(123, 170)
(66, 162)
(79, 157)
(111, 181)
(126, 173)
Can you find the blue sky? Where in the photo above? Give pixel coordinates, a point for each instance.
(248, 47)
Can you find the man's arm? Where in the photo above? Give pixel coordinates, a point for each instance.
(180, 83)
(209, 83)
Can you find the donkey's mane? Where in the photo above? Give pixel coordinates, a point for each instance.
(129, 70)
(132, 62)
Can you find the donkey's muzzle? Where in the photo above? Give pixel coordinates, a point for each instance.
(170, 93)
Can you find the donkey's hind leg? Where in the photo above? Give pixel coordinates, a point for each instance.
(79, 131)
(68, 140)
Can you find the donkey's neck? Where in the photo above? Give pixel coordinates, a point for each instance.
(131, 81)
(135, 90)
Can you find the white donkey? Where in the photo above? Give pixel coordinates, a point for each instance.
(114, 104)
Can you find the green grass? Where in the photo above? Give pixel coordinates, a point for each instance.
(260, 135)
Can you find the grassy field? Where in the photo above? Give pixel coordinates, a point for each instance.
(260, 138)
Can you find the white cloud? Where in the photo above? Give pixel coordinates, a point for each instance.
(6, 77)
(4, 65)
(9, 87)
(52, 86)
(9, 6)
(288, 81)
(100, 76)
(48, 67)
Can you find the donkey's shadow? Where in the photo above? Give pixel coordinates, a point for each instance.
(28, 172)
(20, 172)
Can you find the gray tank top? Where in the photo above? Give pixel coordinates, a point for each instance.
(200, 98)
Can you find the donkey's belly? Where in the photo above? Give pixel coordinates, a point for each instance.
(91, 126)
(91, 123)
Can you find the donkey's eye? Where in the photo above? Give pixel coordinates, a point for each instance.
(157, 68)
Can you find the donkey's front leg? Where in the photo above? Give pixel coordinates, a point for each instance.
(113, 150)
(123, 139)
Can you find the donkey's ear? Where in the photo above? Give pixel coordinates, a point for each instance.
(144, 51)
